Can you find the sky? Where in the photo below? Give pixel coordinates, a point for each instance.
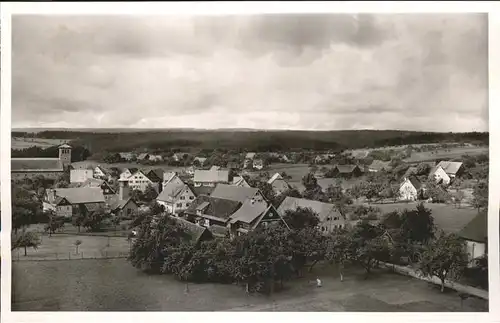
(423, 72)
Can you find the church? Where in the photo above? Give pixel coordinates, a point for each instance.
(49, 168)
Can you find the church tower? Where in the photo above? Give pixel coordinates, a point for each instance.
(65, 154)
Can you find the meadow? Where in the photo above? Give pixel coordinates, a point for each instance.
(114, 285)
(23, 143)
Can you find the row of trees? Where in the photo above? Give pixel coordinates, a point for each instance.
(271, 255)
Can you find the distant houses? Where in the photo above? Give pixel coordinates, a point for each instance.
(347, 171)
(279, 184)
(445, 171)
(379, 165)
(210, 177)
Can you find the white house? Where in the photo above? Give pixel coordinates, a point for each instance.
(140, 181)
(439, 175)
(101, 173)
(475, 234)
(210, 177)
(171, 177)
(80, 175)
(127, 172)
(410, 189)
(176, 197)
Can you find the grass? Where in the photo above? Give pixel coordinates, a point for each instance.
(114, 285)
(22, 143)
(451, 153)
(446, 217)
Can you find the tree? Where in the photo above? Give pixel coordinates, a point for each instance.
(480, 196)
(77, 243)
(26, 239)
(423, 169)
(339, 199)
(149, 193)
(55, 223)
(458, 197)
(310, 182)
(301, 218)
(337, 250)
(444, 258)
(418, 224)
(78, 219)
(93, 220)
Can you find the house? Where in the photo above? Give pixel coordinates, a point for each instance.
(411, 189)
(208, 211)
(196, 232)
(240, 181)
(329, 217)
(170, 177)
(475, 234)
(127, 172)
(445, 171)
(178, 157)
(176, 197)
(409, 172)
(140, 180)
(143, 156)
(49, 168)
(127, 156)
(210, 177)
(258, 164)
(102, 173)
(108, 192)
(189, 171)
(278, 184)
(348, 171)
(155, 158)
(156, 176)
(80, 175)
(284, 158)
(90, 198)
(122, 205)
(252, 214)
(236, 193)
(249, 157)
(200, 160)
(379, 165)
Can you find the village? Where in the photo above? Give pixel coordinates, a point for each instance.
(229, 197)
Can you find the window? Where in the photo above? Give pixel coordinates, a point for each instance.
(179, 204)
(207, 222)
(183, 197)
(191, 197)
(187, 204)
(335, 218)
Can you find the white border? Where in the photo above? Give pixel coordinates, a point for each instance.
(219, 8)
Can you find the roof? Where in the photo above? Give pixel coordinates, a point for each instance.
(414, 181)
(94, 182)
(411, 170)
(450, 167)
(36, 164)
(142, 156)
(200, 159)
(211, 176)
(476, 229)
(194, 230)
(220, 208)
(203, 190)
(126, 155)
(117, 204)
(65, 146)
(234, 193)
(233, 165)
(274, 177)
(379, 165)
(171, 190)
(80, 195)
(240, 181)
(155, 175)
(249, 211)
(346, 169)
(322, 209)
(250, 156)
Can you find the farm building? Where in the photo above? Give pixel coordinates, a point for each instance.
(210, 177)
(379, 165)
(107, 190)
(278, 184)
(176, 197)
(65, 201)
(80, 175)
(236, 193)
(347, 171)
(329, 217)
(140, 180)
(475, 234)
(411, 189)
(445, 171)
(207, 210)
(50, 168)
(122, 204)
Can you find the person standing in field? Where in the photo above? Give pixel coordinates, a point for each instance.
(318, 282)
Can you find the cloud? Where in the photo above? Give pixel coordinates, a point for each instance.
(322, 72)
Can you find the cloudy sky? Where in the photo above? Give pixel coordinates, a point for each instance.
(316, 72)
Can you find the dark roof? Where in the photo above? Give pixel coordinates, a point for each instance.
(477, 229)
(234, 193)
(195, 231)
(410, 171)
(415, 182)
(249, 211)
(346, 169)
(155, 175)
(218, 207)
(36, 164)
(81, 195)
(203, 190)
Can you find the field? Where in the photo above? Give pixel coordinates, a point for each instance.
(446, 217)
(22, 143)
(114, 285)
(446, 154)
(61, 246)
(93, 163)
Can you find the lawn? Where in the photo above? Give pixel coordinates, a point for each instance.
(61, 246)
(114, 285)
(446, 217)
(22, 143)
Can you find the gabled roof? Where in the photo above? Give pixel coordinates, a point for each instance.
(234, 193)
(217, 207)
(168, 176)
(411, 170)
(379, 165)
(249, 211)
(211, 176)
(414, 182)
(80, 195)
(142, 156)
(477, 229)
(117, 204)
(240, 181)
(195, 231)
(450, 167)
(274, 177)
(155, 175)
(171, 191)
(322, 209)
(346, 169)
(36, 164)
(103, 169)
(65, 146)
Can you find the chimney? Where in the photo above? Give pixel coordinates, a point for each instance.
(124, 192)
